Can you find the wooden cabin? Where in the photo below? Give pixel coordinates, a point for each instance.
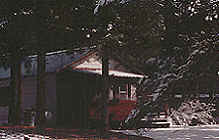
(80, 83)
(69, 79)
(54, 62)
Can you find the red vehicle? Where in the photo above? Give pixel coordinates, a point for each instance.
(117, 111)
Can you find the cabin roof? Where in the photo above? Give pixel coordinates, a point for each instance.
(89, 63)
(111, 72)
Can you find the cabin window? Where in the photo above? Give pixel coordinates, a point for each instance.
(123, 89)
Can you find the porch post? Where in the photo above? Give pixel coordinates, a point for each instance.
(114, 92)
(129, 90)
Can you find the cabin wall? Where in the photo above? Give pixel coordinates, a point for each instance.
(29, 90)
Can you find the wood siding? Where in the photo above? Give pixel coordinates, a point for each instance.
(29, 95)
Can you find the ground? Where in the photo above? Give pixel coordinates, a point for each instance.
(181, 133)
(174, 133)
(31, 133)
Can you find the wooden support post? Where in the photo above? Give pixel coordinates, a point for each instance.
(114, 91)
(129, 90)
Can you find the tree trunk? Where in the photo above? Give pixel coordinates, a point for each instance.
(40, 98)
(19, 95)
(105, 76)
(15, 109)
(40, 8)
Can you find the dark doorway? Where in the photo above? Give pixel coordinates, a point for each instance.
(74, 91)
(4, 96)
(4, 103)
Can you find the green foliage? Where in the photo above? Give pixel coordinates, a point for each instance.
(190, 40)
(29, 26)
(132, 30)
